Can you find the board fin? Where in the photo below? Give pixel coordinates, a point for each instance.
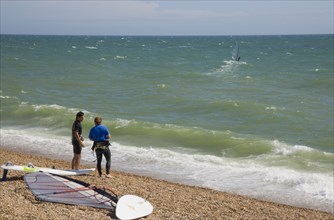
(4, 175)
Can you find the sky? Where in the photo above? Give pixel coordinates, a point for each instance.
(173, 17)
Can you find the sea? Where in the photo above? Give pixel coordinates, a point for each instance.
(180, 109)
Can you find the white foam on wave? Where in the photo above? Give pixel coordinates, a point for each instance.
(37, 141)
(120, 123)
(241, 176)
(286, 149)
(315, 185)
(91, 48)
(229, 67)
(8, 97)
(271, 108)
(120, 57)
(53, 106)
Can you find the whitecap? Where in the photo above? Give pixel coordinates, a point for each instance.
(271, 108)
(54, 106)
(7, 97)
(120, 57)
(91, 48)
(120, 123)
(285, 149)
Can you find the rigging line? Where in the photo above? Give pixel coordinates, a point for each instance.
(110, 189)
(114, 198)
(106, 199)
(67, 191)
(93, 188)
(48, 187)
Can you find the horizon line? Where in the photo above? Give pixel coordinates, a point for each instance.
(177, 35)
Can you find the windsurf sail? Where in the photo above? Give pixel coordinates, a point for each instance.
(235, 52)
(53, 188)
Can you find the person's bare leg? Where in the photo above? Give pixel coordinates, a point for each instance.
(73, 161)
(76, 161)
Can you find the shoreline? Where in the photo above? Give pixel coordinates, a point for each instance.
(170, 200)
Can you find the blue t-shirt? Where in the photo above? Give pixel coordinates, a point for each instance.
(99, 133)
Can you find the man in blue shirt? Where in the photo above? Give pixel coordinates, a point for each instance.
(101, 137)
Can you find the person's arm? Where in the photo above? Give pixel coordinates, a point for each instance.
(108, 136)
(77, 137)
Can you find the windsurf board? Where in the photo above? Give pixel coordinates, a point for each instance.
(133, 207)
(30, 168)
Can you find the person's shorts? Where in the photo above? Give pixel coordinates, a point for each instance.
(76, 147)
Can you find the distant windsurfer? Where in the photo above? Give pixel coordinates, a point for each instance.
(235, 52)
(77, 140)
(101, 137)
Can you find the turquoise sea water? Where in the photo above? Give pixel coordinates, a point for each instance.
(180, 109)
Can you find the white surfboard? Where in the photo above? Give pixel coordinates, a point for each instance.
(133, 207)
(29, 168)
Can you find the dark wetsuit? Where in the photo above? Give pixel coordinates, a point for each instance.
(107, 154)
(76, 127)
(101, 146)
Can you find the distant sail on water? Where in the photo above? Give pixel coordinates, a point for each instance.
(235, 52)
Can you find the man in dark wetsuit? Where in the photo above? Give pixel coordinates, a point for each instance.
(101, 137)
(77, 140)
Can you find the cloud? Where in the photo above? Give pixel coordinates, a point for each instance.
(164, 17)
(76, 10)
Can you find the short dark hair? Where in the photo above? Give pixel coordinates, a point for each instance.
(79, 114)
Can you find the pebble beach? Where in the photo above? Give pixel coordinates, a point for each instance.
(170, 200)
